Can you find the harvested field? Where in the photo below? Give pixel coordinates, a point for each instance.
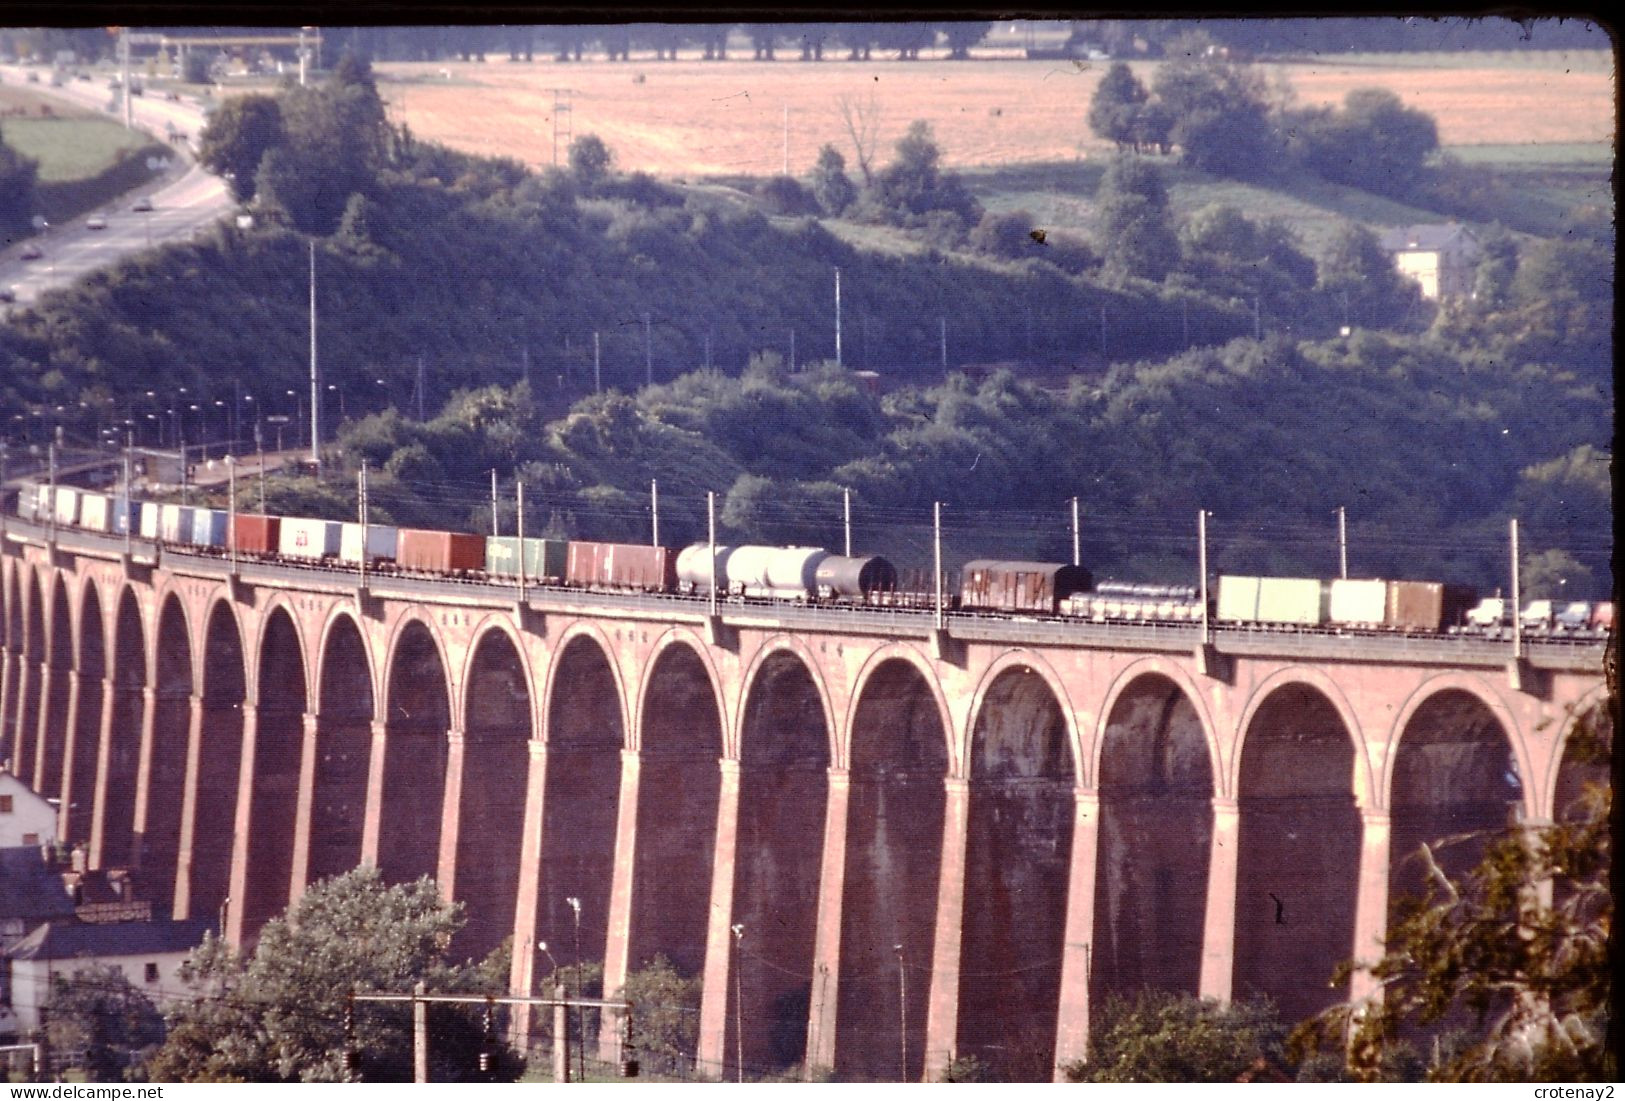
(691, 118)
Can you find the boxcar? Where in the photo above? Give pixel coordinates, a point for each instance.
(1362, 603)
(440, 551)
(67, 505)
(127, 515)
(1020, 586)
(175, 523)
(1427, 605)
(255, 534)
(151, 513)
(621, 566)
(96, 512)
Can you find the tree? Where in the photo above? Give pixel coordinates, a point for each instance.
(1518, 950)
(1114, 112)
(278, 1015)
(1375, 142)
(19, 177)
(1160, 1036)
(963, 35)
(666, 1024)
(830, 184)
(1135, 236)
(861, 118)
(914, 183)
(97, 1013)
(590, 161)
(1220, 116)
(239, 134)
(1359, 276)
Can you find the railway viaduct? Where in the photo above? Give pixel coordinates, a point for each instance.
(933, 841)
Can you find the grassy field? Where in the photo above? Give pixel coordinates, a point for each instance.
(685, 119)
(70, 143)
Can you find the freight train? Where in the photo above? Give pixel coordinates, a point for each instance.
(812, 575)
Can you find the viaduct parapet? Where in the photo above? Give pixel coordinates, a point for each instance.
(932, 843)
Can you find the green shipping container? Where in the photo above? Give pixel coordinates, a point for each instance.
(544, 558)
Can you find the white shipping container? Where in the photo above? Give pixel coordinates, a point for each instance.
(175, 523)
(149, 519)
(96, 512)
(380, 542)
(1290, 600)
(67, 505)
(1358, 601)
(309, 538)
(1238, 599)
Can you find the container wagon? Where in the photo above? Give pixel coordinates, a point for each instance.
(1020, 586)
(440, 551)
(621, 566)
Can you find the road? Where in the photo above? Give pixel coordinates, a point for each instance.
(190, 199)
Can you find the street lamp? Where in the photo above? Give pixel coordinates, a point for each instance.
(581, 1020)
(739, 1001)
(902, 1008)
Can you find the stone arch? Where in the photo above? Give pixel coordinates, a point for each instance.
(158, 825)
(681, 636)
(1179, 676)
(31, 679)
(56, 665)
(1299, 837)
(785, 747)
(498, 723)
(417, 721)
(1365, 782)
(79, 767)
(1023, 772)
(583, 731)
(271, 748)
(1558, 789)
(1156, 774)
(1456, 781)
(1038, 666)
(114, 823)
(770, 648)
(203, 880)
(346, 707)
(284, 605)
(910, 654)
(680, 744)
(1477, 687)
(898, 730)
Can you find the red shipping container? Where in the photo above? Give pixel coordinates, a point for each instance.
(256, 534)
(440, 551)
(621, 566)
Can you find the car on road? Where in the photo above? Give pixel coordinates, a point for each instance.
(96, 221)
(142, 205)
(31, 252)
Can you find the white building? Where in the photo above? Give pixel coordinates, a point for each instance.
(149, 953)
(25, 818)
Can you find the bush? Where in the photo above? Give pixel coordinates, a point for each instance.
(786, 195)
(1159, 1036)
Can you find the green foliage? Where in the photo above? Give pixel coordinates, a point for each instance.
(1220, 115)
(1513, 956)
(1114, 111)
(590, 161)
(785, 195)
(1136, 238)
(1374, 142)
(665, 1016)
(19, 176)
(238, 135)
(278, 1015)
(831, 186)
(914, 185)
(1159, 1036)
(96, 1013)
(1360, 276)
(966, 1068)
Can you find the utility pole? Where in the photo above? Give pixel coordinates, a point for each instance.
(361, 510)
(1077, 548)
(739, 998)
(654, 512)
(420, 388)
(792, 349)
(315, 376)
(942, 342)
(495, 527)
(1258, 325)
(784, 168)
(711, 538)
(519, 520)
(1342, 544)
(902, 1009)
(129, 493)
(1517, 603)
(1201, 569)
(648, 353)
(838, 361)
(129, 103)
(231, 517)
(936, 547)
(50, 480)
(846, 510)
(597, 373)
(420, 1034)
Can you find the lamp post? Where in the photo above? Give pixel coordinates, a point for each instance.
(739, 999)
(581, 1023)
